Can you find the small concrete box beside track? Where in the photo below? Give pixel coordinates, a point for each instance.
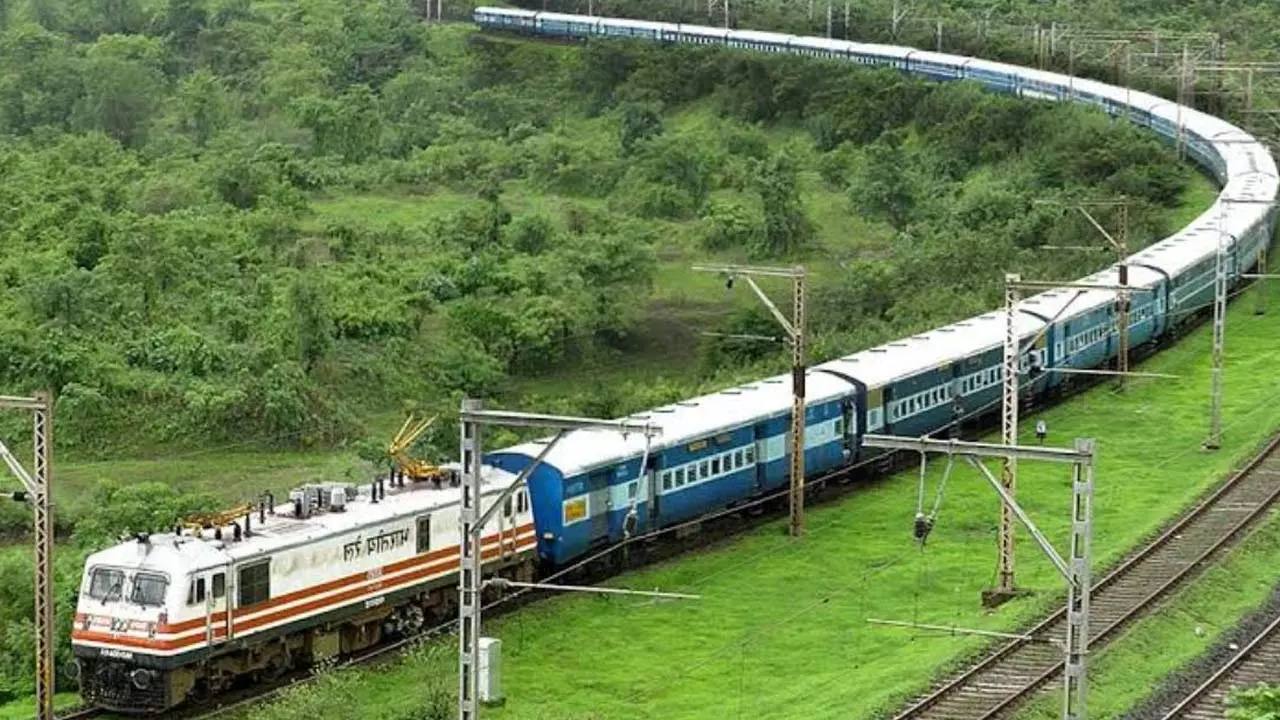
(490, 667)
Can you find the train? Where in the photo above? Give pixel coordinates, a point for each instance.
(165, 618)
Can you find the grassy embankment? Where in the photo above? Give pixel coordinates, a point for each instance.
(781, 630)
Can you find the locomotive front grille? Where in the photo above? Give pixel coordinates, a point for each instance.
(122, 686)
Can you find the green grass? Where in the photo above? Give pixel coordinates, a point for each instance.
(1127, 670)
(232, 474)
(380, 211)
(26, 709)
(781, 631)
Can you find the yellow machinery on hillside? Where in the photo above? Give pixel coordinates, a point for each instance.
(411, 467)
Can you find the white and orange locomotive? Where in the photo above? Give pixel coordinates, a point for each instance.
(165, 618)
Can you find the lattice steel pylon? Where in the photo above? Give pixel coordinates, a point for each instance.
(1074, 568)
(1076, 690)
(38, 487)
(797, 404)
(1009, 434)
(1214, 440)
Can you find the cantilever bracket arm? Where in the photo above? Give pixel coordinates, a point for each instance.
(23, 403)
(735, 272)
(1022, 516)
(16, 468)
(1097, 226)
(523, 477)
(777, 314)
(511, 418)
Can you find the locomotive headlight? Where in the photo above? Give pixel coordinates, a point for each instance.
(142, 678)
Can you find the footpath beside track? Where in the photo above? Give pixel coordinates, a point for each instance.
(1015, 671)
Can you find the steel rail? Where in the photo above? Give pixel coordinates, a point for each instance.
(961, 682)
(1196, 699)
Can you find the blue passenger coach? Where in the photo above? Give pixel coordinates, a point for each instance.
(596, 488)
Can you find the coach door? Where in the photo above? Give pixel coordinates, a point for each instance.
(760, 439)
(599, 503)
(217, 621)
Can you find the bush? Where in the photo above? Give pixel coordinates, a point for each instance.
(731, 225)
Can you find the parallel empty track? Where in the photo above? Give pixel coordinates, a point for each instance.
(1257, 662)
(1015, 671)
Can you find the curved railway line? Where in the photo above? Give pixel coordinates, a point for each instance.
(1014, 672)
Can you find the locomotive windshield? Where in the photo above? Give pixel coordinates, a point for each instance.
(106, 584)
(149, 589)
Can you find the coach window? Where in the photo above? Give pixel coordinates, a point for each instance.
(751, 454)
(424, 533)
(195, 593)
(739, 459)
(507, 507)
(255, 584)
(219, 586)
(715, 466)
(703, 470)
(666, 480)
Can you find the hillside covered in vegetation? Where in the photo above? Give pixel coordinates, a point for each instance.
(250, 222)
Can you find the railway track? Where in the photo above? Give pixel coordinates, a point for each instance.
(1017, 670)
(1258, 661)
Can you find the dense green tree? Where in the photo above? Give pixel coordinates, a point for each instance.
(41, 79)
(786, 226)
(122, 83)
(309, 304)
(203, 106)
(638, 122)
(729, 225)
(881, 187)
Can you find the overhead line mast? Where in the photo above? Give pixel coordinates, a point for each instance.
(474, 516)
(795, 331)
(37, 487)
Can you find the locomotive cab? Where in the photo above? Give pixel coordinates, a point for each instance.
(131, 624)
